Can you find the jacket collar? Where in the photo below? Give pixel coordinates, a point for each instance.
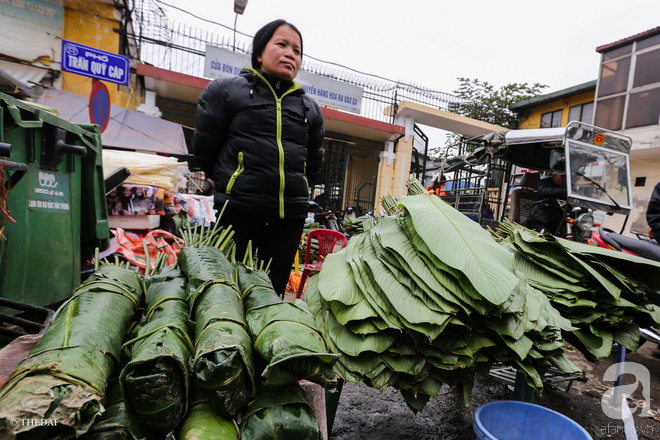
(253, 75)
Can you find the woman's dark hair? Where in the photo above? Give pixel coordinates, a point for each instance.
(437, 183)
(263, 36)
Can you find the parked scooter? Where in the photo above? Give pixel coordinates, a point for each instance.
(325, 218)
(650, 249)
(576, 223)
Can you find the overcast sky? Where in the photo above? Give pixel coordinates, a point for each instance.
(431, 42)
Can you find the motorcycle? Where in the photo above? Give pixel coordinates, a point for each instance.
(646, 248)
(325, 218)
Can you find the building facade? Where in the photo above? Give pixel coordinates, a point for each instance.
(369, 147)
(628, 101)
(557, 109)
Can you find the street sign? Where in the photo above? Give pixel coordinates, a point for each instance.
(95, 63)
(99, 104)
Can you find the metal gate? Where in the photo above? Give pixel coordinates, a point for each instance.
(348, 176)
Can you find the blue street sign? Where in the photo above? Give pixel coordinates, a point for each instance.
(95, 63)
(99, 105)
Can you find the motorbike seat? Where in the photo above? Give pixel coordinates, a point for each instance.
(642, 248)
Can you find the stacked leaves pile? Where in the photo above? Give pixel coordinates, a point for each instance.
(600, 291)
(427, 297)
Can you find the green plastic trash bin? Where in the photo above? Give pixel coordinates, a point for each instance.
(55, 199)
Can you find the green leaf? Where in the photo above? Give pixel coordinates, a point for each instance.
(463, 245)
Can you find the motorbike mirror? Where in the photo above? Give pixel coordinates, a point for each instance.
(558, 160)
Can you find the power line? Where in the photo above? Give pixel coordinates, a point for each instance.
(306, 55)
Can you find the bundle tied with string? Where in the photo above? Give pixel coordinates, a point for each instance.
(64, 378)
(156, 382)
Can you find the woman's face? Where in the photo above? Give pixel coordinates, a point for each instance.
(281, 57)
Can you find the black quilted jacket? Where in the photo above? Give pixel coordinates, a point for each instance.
(653, 213)
(261, 151)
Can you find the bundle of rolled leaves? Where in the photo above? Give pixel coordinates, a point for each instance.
(285, 334)
(280, 413)
(64, 378)
(157, 380)
(222, 364)
(203, 423)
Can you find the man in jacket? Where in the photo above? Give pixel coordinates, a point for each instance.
(546, 213)
(653, 213)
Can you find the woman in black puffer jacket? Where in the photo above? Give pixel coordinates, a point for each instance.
(259, 137)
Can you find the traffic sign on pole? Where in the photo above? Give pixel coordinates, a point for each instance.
(99, 104)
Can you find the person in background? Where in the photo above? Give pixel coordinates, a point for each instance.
(126, 201)
(546, 213)
(488, 212)
(653, 213)
(259, 137)
(438, 186)
(653, 219)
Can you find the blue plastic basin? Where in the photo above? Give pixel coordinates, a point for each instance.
(513, 420)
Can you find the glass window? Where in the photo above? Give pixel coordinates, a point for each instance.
(614, 77)
(598, 175)
(649, 42)
(647, 68)
(574, 113)
(551, 119)
(614, 53)
(609, 113)
(588, 113)
(582, 113)
(546, 120)
(643, 108)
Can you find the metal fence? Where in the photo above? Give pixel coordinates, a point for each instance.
(181, 47)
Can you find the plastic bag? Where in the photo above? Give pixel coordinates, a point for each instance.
(294, 282)
(157, 241)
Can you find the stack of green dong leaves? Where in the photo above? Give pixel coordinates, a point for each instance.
(600, 291)
(427, 297)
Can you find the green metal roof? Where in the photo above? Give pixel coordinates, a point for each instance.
(542, 99)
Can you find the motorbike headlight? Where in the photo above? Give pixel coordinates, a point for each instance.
(585, 221)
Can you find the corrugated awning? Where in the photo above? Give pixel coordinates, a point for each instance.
(127, 129)
(18, 77)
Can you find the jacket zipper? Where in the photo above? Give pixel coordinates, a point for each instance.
(305, 176)
(278, 107)
(239, 170)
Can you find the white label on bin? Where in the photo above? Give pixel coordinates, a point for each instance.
(49, 191)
